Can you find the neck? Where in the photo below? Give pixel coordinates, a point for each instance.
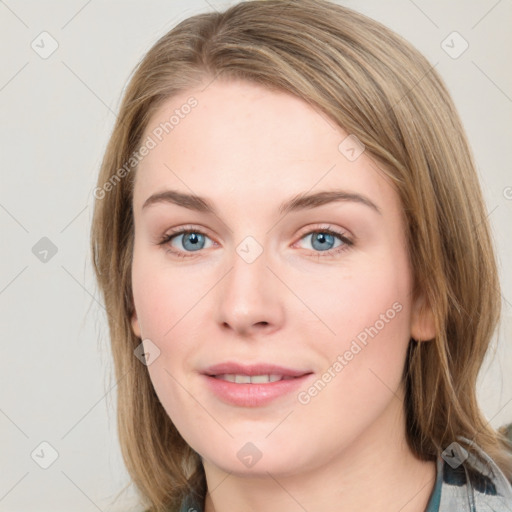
(376, 472)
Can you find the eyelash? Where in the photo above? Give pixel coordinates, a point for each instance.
(347, 242)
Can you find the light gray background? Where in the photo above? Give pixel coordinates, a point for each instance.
(57, 114)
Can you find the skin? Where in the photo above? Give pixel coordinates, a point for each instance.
(248, 149)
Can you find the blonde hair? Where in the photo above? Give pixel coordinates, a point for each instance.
(374, 85)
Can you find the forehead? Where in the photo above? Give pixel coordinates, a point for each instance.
(242, 140)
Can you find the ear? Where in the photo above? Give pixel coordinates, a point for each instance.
(135, 324)
(422, 320)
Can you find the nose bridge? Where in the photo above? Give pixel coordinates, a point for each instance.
(249, 294)
(249, 277)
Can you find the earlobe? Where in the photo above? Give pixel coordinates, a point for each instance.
(422, 321)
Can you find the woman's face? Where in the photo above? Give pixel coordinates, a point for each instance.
(269, 282)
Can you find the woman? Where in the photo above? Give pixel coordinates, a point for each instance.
(293, 248)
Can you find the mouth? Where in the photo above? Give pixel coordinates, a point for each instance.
(251, 379)
(253, 385)
(254, 373)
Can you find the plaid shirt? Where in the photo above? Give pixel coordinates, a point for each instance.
(464, 482)
(469, 483)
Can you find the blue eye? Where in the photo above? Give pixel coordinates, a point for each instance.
(193, 240)
(322, 240)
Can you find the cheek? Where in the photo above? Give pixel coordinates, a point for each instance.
(161, 301)
(168, 307)
(361, 379)
(157, 296)
(346, 303)
(370, 322)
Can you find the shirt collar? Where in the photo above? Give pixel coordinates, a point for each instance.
(471, 485)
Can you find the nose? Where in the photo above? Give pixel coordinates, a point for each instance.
(250, 298)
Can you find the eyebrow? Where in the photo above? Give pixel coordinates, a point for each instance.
(296, 203)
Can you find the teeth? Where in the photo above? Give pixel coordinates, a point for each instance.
(261, 379)
(251, 379)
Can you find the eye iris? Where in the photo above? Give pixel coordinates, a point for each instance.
(193, 238)
(322, 237)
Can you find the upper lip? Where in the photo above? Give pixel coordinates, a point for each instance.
(253, 369)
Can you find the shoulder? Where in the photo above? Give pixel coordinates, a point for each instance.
(472, 481)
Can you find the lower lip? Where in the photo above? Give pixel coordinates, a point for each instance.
(253, 395)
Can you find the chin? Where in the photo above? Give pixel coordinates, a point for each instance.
(257, 459)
